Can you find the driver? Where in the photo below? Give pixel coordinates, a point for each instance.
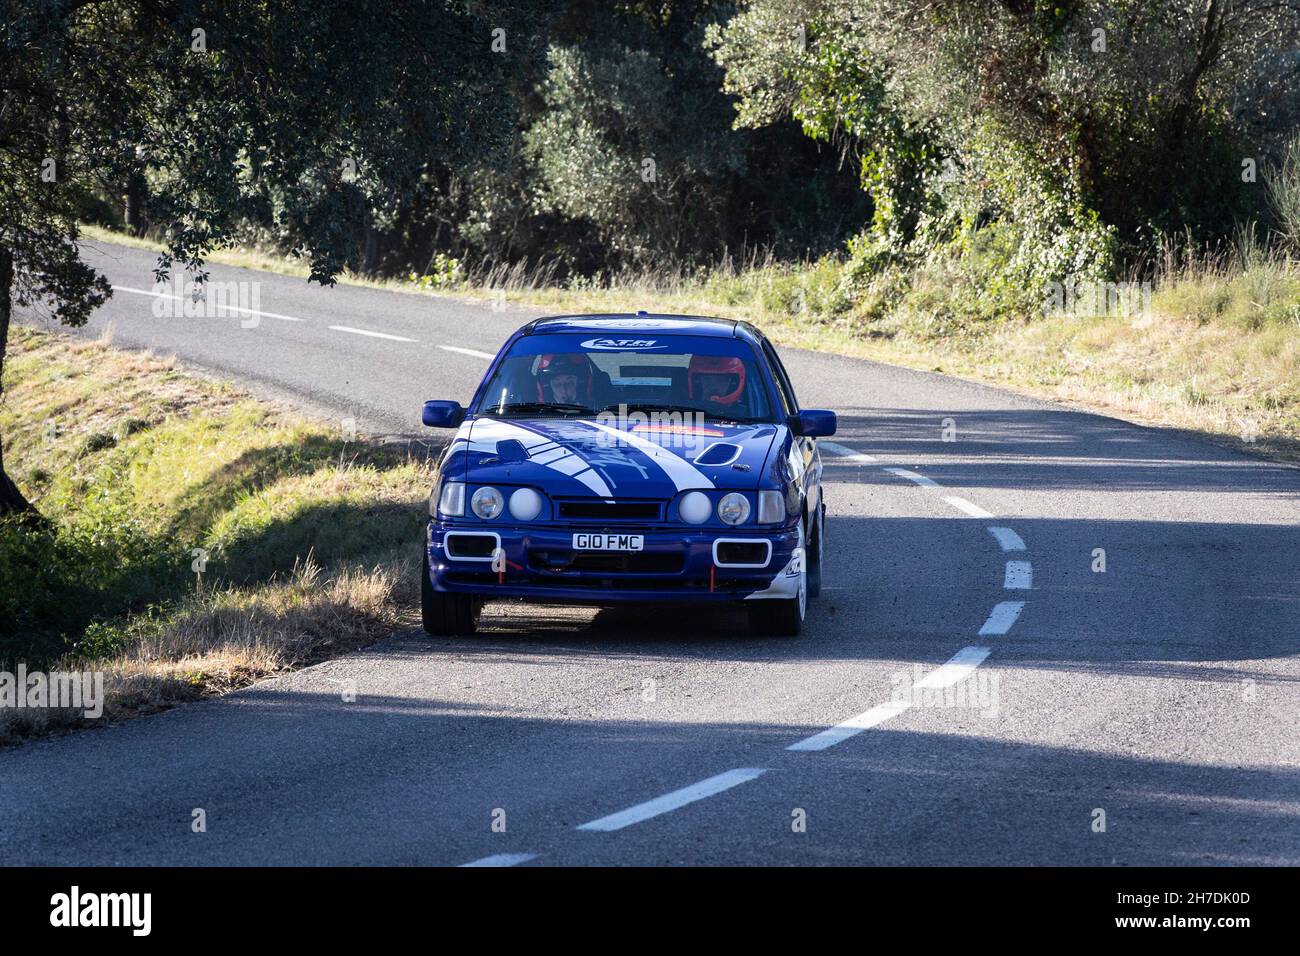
(717, 381)
(560, 377)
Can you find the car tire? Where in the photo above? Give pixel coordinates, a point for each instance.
(780, 617)
(443, 614)
(816, 538)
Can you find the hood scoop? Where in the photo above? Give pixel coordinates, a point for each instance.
(718, 454)
(511, 450)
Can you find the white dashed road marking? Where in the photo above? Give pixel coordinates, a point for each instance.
(1008, 540)
(474, 352)
(962, 664)
(672, 801)
(502, 859)
(293, 318)
(854, 725)
(228, 308)
(1019, 576)
(1001, 618)
(843, 451)
(373, 335)
(920, 479)
(961, 504)
(957, 669)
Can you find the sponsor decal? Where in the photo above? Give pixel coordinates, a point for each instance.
(620, 345)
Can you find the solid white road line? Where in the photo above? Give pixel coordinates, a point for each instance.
(920, 479)
(373, 335)
(228, 308)
(502, 859)
(958, 668)
(854, 725)
(673, 801)
(961, 504)
(1001, 618)
(844, 451)
(473, 352)
(1019, 576)
(1008, 540)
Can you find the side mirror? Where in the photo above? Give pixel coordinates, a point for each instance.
(443, 414)
(813, 423)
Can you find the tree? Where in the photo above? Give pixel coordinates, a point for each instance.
(319, 114)
(1063, 122)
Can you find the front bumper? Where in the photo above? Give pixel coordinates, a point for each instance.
(675, 564)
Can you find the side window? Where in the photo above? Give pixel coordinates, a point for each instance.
(782, 380)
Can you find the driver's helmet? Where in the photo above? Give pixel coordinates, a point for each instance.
(553, 364)
(716, 378)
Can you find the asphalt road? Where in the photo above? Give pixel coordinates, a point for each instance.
(1144, 714)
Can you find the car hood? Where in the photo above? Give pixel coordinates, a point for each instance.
(587, 457)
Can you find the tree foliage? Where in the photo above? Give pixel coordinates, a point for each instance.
(314, 118)
(1083, 130)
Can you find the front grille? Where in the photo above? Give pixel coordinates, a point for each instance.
(586, 509)
(614, 562)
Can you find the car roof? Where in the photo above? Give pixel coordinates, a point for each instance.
(641, 322)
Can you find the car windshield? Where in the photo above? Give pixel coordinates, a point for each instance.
(583, 375)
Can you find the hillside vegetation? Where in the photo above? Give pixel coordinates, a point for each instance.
(141, 469)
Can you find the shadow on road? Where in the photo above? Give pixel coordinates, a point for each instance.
(293, 776)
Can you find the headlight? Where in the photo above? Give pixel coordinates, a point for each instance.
(733, 508)
(695, 507)
(771, 507)
(487, 503)
(452, 501)
(525, 504)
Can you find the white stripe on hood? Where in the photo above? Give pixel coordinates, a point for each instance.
(565, 462)
(683, 474)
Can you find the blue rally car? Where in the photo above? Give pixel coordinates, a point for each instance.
(628, 458)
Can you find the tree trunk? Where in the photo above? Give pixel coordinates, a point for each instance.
(137, 191)
(11, 499)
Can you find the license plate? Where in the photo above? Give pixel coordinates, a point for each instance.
(608, 542)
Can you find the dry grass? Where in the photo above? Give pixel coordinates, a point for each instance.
(216, 641)
(311, 539)
(226, 640)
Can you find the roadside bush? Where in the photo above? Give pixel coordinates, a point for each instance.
(1283, 182)
(37, 593)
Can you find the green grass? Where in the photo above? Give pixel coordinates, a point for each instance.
(310, 540)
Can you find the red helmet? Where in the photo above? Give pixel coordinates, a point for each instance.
(558, 363)
(702, 365)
